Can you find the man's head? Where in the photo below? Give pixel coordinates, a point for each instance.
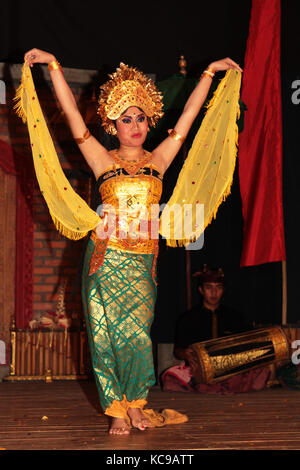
(210, 286)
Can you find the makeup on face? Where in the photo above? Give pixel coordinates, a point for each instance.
(133, 125)
(126, 119)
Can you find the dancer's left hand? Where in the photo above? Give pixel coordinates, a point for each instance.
(225, 64)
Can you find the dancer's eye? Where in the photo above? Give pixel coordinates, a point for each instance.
(126, 120)
(141, 118)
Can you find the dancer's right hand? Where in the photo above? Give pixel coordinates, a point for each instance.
(37, 56)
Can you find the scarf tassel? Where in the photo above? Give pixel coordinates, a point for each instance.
(67, 232)
(19, 107)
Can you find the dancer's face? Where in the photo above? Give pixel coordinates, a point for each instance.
(132, 127)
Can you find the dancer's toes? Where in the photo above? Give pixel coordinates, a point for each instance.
(119, 426)
(138, 420)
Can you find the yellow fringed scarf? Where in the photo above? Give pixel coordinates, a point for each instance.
(206, 176)
(71, 214)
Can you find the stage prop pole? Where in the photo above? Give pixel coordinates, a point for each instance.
(182, 69)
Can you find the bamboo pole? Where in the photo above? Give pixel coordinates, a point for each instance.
(28, 359)
(22, 352)
(54, 354)
(61, 353)
(68, 353)
(47, 352)
(41, 353)
(33, 352)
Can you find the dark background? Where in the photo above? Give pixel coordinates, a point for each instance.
(152, 36)
(149, 35)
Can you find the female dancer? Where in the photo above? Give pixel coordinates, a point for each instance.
(118, 287)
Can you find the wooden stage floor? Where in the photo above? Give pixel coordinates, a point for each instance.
(263, 420)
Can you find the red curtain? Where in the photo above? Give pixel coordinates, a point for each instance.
(16, 164)
(260, 144)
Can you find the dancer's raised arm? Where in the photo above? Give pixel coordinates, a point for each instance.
(169, 147)
(95, 154)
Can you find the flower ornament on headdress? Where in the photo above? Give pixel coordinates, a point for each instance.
(128, 87)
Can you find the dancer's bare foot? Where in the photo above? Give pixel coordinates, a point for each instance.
(138, 420)
(119, 426)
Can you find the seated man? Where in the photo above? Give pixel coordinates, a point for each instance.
(210, 319)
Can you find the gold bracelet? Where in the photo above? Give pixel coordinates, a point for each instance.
(209, 69)
(172, 133)
(54, 65)
(207, 72)
(80, 140)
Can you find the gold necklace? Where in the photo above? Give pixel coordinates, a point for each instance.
(132, 166)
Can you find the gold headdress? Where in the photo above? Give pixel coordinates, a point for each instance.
(128, 87)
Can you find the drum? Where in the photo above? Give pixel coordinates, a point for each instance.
(221, 358)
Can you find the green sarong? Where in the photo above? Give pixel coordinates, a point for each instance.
(119, 302)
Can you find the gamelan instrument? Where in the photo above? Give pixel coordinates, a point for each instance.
(221, 358)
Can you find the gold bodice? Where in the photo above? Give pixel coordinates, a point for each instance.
(133, 202)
